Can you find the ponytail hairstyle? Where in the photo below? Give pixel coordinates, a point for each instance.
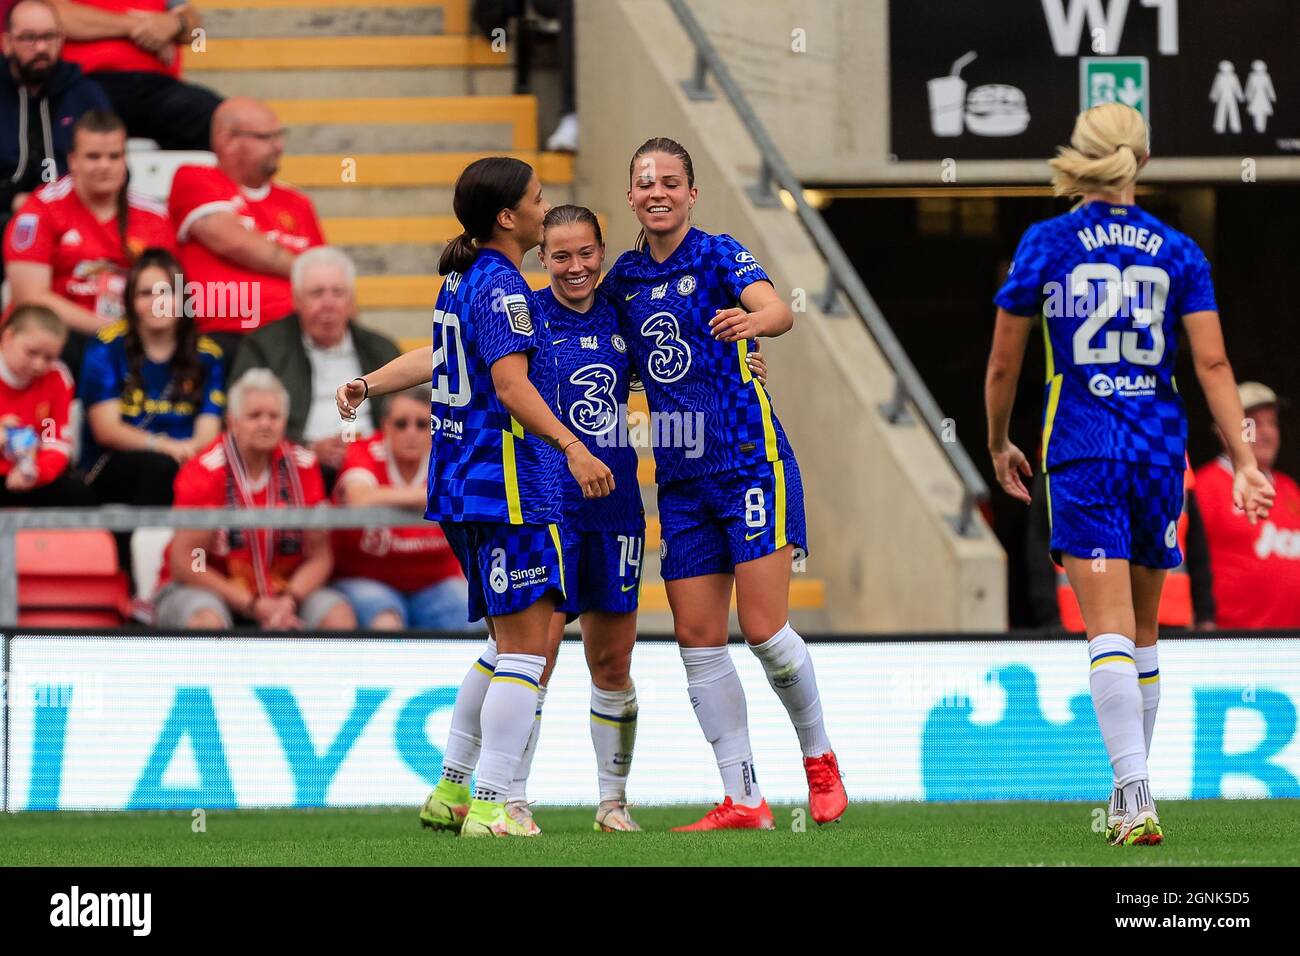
(660, 144)
(186, 369)
(568, 215)
(101, 121)
(1109, 144)
(483, 189)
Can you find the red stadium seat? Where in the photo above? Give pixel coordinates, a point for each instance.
(70, 579)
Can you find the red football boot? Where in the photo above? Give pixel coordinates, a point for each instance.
(732, 816)
(826, 797)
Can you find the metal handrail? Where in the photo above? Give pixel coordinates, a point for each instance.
(841, 275)
(126, 518)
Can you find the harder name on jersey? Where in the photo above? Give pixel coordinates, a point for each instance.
(1119, 234)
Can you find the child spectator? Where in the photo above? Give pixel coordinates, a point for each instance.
(35, 392)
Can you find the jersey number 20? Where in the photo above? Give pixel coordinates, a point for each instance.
(448, 350)
(1117, 287)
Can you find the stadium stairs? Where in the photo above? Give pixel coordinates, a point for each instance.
(878, 497)
(402, 92)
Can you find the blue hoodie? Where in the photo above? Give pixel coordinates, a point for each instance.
(66, 95)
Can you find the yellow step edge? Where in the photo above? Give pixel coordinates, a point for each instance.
(387, 230)
(408, 169)
(519, 112)
(455, 13)
(337, 53)
(413, 292)
(806, 594)
(645, 471)
(384, 230)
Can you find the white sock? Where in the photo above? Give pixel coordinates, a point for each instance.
(613, 736)
(719, 703)
(1146, 659)
(1117, 701)
(509, 712)
(1148, 666)
(519, 786)
(789, 670)
(465, 737)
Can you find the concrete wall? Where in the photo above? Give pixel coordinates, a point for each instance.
(828, 107)
(876, 495)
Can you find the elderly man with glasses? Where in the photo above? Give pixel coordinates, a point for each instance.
(239, 229)
(314, 349)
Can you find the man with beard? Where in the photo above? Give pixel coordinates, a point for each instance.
(41, 96)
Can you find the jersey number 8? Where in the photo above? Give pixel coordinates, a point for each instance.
(1118, 287)
(448, 349)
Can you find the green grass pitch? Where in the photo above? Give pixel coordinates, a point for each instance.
(1198, 833)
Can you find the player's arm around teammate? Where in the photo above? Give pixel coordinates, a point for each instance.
(730, 505)
(494, 472)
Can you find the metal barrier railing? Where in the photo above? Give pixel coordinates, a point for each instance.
(841, 276)
(125, 518)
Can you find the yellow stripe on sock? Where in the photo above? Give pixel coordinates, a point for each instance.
(1153, 679)
(482, 669)
(515, 680)
(1112, 659)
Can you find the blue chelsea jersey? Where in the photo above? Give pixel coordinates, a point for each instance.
(1111, 284)
(483, 465)
(709, 413)
(595, 374)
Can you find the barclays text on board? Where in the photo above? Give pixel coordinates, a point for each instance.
(157, 723)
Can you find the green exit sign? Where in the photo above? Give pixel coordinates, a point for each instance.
(1115, 79)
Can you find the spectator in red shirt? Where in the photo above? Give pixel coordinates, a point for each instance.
(238, 228)
(1256, 567)
(132, 48)
(35, 392)
(71, 244)
(396, 577)
(272, 579)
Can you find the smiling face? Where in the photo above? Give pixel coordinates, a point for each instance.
(526, 216)
(660, 194)
(574, 259)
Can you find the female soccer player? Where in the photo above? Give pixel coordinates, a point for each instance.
(602, 538)
(1115, 287)
(730, 497)
(494, 468)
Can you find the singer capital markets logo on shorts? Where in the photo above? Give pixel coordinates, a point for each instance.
(1126, 386)
(500, 579)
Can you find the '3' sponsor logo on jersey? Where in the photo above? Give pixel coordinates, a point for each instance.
(671, 358)
(597, 411)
